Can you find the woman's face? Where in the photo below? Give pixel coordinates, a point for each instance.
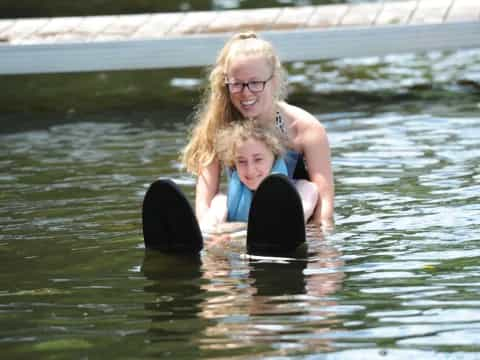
(252, 69)
(253, 161)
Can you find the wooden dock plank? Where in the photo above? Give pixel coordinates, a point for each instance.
(196, 22)
(396, 13)
(431, 12)
(5, 24)
(464, 10)
(123, 27)
(362, 14)
(244, 20)
(89, 27)
(328, 16)
(157, 25)
(57, 29)
(294, 17)
(21, 30)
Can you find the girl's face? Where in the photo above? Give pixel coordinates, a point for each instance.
(254, 70)
(253, 161)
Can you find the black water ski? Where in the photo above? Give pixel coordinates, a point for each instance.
(275, 223)
(169, 223)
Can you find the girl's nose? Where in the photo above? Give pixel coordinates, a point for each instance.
(250, 169)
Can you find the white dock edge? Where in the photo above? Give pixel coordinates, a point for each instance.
(201, 50)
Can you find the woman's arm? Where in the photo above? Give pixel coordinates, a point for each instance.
(207, 187)
(317, 154)
(310, 138)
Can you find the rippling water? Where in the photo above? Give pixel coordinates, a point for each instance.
(399, 277)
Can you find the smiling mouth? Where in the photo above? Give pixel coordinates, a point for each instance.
(248, 103)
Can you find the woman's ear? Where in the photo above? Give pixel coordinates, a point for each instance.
(276, 87)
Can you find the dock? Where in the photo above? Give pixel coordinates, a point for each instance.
(192, 39)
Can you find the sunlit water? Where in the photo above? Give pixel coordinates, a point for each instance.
(399, 277)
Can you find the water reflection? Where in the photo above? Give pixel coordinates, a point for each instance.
(175, 283)
(269, 303)
(259, 300)
(272, 278)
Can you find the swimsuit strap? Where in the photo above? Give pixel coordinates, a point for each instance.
(294, 160)
(280, 123)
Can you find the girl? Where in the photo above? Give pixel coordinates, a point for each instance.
(251, 152)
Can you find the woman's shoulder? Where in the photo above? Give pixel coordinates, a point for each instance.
(300, 118)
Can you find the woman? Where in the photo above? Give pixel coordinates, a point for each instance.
(248, 81)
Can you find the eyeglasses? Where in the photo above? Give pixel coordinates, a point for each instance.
(254, 86)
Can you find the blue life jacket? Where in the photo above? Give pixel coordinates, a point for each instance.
(239, 197)
(291, 158)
